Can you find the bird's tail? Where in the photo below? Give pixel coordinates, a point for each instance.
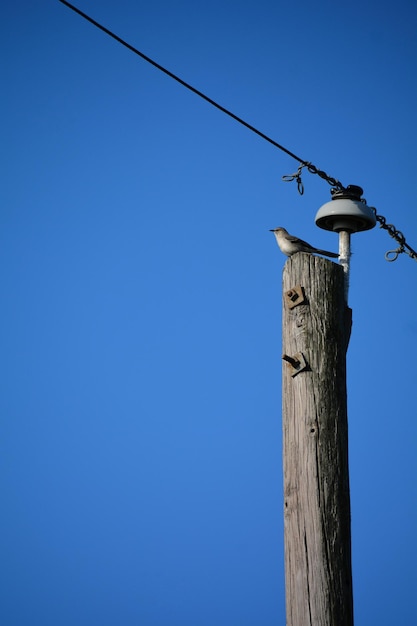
(325, 253)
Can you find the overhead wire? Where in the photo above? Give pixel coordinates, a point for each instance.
(199, 93)
(404, 247)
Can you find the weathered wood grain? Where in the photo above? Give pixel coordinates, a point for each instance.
(315, 447)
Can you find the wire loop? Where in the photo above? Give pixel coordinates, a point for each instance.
(394, 254)
(288, 178)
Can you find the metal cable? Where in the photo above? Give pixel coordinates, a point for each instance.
(182, 82)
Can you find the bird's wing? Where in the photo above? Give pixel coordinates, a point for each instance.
(299, 241)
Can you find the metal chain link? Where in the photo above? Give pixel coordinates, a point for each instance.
(332, 181)
(392, 255)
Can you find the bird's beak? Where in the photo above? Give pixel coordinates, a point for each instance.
(272, 230)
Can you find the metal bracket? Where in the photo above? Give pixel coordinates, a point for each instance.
(295, 296)
(296, 363)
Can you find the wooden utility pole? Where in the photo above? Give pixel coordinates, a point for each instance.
(316, 330)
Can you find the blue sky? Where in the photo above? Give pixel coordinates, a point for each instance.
(141, 471)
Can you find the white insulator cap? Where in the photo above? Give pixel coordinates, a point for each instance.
(346, 211)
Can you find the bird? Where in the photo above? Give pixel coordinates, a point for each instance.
(289, 244)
